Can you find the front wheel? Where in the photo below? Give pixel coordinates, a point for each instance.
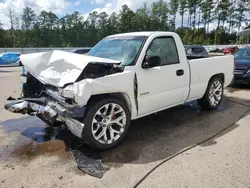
(214, 94)
(106, 123)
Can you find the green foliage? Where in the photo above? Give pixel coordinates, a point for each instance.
(182, 10)
(73, 30)
(159, 16)
(141, 20)
(125, 19)
(222, 11)
(174, 5)
(242, 7)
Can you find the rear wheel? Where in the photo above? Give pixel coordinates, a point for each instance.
(106, 123)
(214, 94)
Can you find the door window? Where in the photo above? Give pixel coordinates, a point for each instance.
(165, 48)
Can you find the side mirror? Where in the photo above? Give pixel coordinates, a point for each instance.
(151, 61)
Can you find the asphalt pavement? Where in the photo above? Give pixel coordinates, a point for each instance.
(179, 147)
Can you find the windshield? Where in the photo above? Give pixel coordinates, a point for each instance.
(242, 54)
(121, 48)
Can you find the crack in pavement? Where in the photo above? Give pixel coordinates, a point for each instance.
(238, 103)
(193, 146)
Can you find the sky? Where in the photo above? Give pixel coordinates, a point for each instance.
(62, 7)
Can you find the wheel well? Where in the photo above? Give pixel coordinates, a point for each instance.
(121, 96)
(220, 75)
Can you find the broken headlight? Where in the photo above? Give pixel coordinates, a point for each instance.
(67, 92)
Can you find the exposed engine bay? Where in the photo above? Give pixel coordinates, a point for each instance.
(34, 88)
(96, 70)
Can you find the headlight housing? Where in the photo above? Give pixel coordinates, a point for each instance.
(67, 92)
(248, 71)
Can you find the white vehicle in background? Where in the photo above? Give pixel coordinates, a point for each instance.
(124, 77)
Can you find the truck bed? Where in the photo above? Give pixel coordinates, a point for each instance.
(209, 55)
(201, 70)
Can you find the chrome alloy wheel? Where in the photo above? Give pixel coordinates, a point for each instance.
(215, 93)
(108, 123)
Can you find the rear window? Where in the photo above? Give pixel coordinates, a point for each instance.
(197, 50)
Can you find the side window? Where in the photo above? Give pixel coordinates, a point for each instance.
(165, 48)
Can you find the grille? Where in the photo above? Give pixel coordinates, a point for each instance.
(240, 70)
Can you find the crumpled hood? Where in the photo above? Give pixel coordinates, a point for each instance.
(57, 67)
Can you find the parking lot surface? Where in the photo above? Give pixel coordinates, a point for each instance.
(179, 147)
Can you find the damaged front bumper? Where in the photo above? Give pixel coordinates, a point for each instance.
(51, 111)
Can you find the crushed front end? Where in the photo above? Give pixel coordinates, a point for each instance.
(46, 103)
(57, 86)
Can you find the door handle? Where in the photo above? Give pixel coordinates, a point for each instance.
(180, 72)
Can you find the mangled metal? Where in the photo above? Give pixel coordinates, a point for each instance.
(58, 86)
(58, 68)
(73, 75)
(80, 91)
(21, 106)
(50, 111)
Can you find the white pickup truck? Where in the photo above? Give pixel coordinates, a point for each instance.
(123, 77)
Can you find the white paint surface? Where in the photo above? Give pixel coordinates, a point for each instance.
(58, 68)
(158, 88)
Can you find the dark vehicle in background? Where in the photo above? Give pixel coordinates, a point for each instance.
(230, 50)
(242, 66)
(81, 50)
(217, 50)
(10, 58)
(195, 51)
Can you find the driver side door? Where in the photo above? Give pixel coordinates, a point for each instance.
(166, 85)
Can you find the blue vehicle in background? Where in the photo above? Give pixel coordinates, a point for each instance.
(10, 58)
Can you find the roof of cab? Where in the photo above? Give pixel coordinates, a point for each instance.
(142, 33)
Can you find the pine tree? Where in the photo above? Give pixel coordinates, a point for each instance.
(242, 7)
(182, 10)
(174, 4)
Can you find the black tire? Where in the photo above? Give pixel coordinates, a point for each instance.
(94, 106)
(205, 101)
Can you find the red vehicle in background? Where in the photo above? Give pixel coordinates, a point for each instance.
(230, 50)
